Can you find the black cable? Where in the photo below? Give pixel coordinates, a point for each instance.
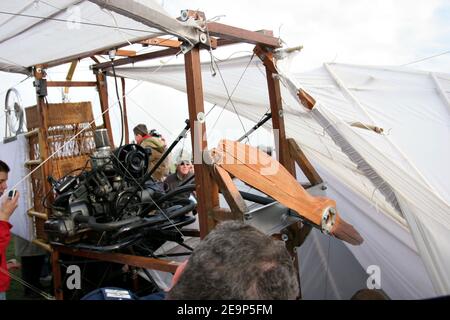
(120, 104)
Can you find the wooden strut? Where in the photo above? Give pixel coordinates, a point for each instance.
(262, 172)
(276, 107)
(104, 104)
(136, 261)
(206, 188)
(303, 162)
(125, 113)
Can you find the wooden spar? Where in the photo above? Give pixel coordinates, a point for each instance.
(303, 162)
(104, 104)
(207, 190)
(161, 42)
(237, 34)
(259, 170)
(276, 107)
(42, 110)
(230, 192)
(56, 272)
(68, 84)
(141, 57)
(70, 73)
(125, 113)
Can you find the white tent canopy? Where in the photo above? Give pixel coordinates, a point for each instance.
(411, 156)
(52, 31)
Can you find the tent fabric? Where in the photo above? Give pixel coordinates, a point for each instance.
(51, 31)
(411, 155)
(15, 154)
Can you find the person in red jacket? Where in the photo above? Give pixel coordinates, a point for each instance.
(7, 208)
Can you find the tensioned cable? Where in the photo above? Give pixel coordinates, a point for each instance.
(426, 58)
(228, 93)
(71, 21)
(232, 93)
(26, 284)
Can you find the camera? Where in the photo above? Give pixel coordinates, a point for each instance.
(12, 193)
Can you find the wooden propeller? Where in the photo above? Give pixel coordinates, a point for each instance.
(264, 173)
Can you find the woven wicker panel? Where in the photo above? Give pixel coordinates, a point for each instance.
(61, 114)
(63, 167)
(70, 141)
(32, 118)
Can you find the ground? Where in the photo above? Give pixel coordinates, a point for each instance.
(15, 291)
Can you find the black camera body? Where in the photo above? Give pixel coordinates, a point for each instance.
(12, 193)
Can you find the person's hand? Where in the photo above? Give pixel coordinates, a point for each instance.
(13, 265)
(8, 206)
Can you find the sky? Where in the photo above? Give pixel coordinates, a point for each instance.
(367, 32)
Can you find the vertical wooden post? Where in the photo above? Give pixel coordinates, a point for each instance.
(44, 149)
(125, 114)
(276, 107)
(206, 188)
(56, 270)
(104, 104)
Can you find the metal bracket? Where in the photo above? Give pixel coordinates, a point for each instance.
(328, 219)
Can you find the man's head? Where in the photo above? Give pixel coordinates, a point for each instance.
(4, 169)
(184, 167)
(236, 261)
(139, 132)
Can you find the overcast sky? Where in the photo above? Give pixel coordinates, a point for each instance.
(368, 32)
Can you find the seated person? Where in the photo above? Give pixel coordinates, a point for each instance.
(184, 171)
(158, 147)
(236, 261)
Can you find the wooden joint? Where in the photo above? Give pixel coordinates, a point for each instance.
(192, 14)
(266, 57)
(306, 100)
(297, 154)
(229, 191)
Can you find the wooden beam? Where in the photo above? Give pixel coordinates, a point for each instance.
(161, 42)
(232, 33)
(70, 74)
(104, 104)
(119, 53)
(304, 163)
(141, 57)
(136, 261)
(276, 107)
(44, 150)
(125, 113)
(306, 99)
(71, 84)
(207, 190)
(56, 272)
(229, 191)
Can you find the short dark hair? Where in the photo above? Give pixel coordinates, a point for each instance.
(140, 129)
(237, 261)
(3, 167)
